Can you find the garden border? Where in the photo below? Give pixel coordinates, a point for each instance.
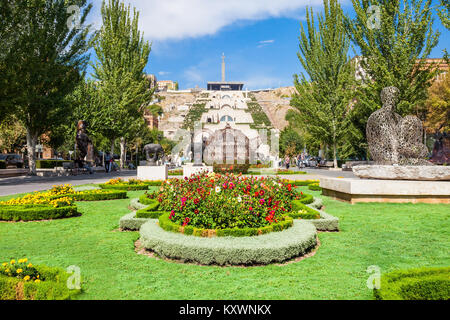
(275, 247)
(129, 222)
(28, 213)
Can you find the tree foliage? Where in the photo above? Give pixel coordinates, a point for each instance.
(438, 106)
(322, 101)
(122, 55)
(394, 46)
(44, 60)
(444, 13)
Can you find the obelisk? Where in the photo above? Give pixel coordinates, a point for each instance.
(223, 67)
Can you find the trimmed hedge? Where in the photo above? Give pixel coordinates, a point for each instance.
(136, 205)
(156, 183)
(53, 288)
(269, 248)
(36, 212)
(50, 164)
(124, 186)
(131, 223)
(314, 187)
(166, 224)
(149, 213)
(307, 199)
(107, 195)
(301, 183)
(415, 284)
(146, 201)
(297, 206)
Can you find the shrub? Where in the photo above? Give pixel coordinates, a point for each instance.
(49, 164)
(2, 164)
(289, 172)
(314, 187)
(166, 223)
(45, 283)
(231, 168)
(301, 183)
(415, 284)
(36, 212)
(302, 211)
(265, 249)
(98, 195)
(125, 186)
(148, 200)
(306, 198)
(149, 214)
(176, 172)
(215, 201)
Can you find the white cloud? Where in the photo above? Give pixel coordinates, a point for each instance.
(163, 73)
(179, 19)
(265, 43)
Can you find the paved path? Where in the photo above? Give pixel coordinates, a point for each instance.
(9, 186)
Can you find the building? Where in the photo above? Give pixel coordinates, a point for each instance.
(165, 85)
(152, 80)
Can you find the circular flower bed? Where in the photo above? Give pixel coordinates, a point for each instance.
(21, 280)
(130, 185)
(215, 201)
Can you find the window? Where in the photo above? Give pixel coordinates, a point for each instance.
(226, 119)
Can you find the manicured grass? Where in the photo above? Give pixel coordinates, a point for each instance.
(391, 236)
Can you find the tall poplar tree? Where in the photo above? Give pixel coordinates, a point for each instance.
(395, 37)
(42, 61)
(444, 13)
(122, 55)
(322, 102)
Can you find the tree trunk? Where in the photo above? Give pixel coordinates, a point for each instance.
(31, 148)
(335, 155)
(123, 152)
(113, 141)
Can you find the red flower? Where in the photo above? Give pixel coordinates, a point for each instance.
(262, 193)
(196, 211)
(251, 208)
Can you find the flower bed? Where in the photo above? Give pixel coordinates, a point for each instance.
(301, 183)
(302, 211)
(415, 284)
(166, 224)
(176, 172)
(22, 281)
(215, 201)
(289, 172)
(130, 185)
(314, 187)
(265, 249)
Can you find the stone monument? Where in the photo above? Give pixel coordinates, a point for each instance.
(401, 172)
(152, 171)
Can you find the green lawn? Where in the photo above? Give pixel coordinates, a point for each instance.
(391, 236)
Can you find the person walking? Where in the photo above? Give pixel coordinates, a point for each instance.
(287, 162)
(107, 162)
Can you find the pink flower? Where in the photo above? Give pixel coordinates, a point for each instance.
(262, 201)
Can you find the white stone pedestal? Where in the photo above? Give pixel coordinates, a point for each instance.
(189, 170)
(153, 172)
(396, 191)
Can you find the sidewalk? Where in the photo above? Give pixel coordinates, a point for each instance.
(14, 185)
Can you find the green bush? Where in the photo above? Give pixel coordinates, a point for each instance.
(49, 164)
(301, 183)
(232, 168)
(314, 187)
(306, 199)
(166, 224)
(415, 284)
(148, 213)
(2, 164)
(95, 196)
(306, 212)
(125, 186)
(156, 183)
(36, 212)
(53, 288)
(265, 249)
(152, 203)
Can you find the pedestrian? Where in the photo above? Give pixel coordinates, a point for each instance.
(287, 162)
(107, 159)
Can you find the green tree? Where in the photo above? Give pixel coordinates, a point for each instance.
(444, 13)
(438, 105)
(291, 142)
(12, 135)
(123, 91)
(43, 63)
(394, 39)
(323, 101)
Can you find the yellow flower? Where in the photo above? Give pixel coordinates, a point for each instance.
(19, 270)
(5, 264)
(37, 280)
(38, 276)
(7, 270)
(26, 278)
(29, 265)
(13, 261)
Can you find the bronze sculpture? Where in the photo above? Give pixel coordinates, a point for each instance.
(83, 142)
(157, 151)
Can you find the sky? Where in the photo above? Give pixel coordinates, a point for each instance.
(258, 37)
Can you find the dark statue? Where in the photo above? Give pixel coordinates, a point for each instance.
(441, 150)
(83, 142)
(393, 139)
(157, 151)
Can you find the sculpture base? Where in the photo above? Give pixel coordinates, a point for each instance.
(361, 190)
(420, 173)
(153, 172)
(191, 169)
